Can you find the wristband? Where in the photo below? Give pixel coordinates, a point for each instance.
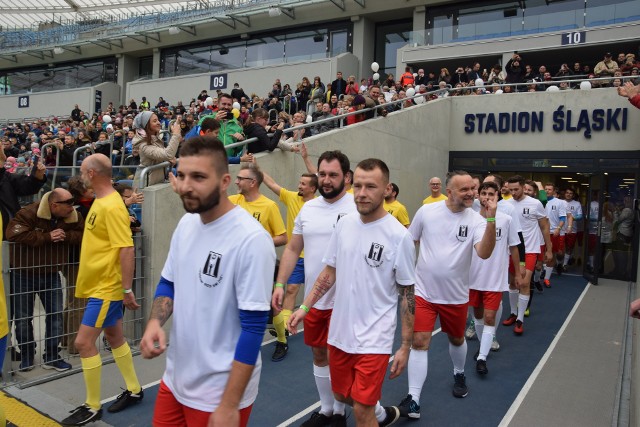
(126, 291)
(492, 219)
(304, 307)
(279, 285)
(522, 264)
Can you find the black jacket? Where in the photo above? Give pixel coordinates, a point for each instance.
(264, 143)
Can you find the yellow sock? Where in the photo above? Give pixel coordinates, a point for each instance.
(3, 418)
(124, 360)
(278, 324)
(286, 314)
(91, 369)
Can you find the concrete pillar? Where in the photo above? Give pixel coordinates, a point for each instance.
(156, 64)
(127, 72)
(363, 37)
(419, 26)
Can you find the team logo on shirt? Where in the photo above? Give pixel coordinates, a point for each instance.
(210, 273)
(525, 212)
(463, 231)
(340, 215)
(256, 215)
(92, 220)
(498, 233)
(374, 257)
(553, 207)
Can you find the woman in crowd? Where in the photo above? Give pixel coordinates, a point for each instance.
(445, 76)
(256, 127)
(317, 92)
(302, 93)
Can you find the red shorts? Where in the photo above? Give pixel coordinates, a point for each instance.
(530, 261)
(570, 241)
(487, 299)
(359, 376)
(170, 413)
(316, 327)
(593, 241)
(557, 244)
(453, 317)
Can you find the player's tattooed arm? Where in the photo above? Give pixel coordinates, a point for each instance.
(325, 281)
(162, 309)
(407, 312)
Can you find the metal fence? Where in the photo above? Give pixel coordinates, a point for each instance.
(46, 326)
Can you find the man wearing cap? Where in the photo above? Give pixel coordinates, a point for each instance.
(606, 67)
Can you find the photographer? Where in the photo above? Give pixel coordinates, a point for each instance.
(230, 129)
(515, 71)
(256, 127)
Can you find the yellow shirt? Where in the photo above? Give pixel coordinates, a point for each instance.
(399, 212)
(431, 199)
(507, 197)
(264, 210)
(294, 203)
(106, 230)
(4, 323)
(350, 190)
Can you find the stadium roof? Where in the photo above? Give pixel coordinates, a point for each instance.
(33, 13)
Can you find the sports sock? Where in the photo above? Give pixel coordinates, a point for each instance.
(591, 258)
(124, 360)
(536, 275)
(286, 314)
(479, 326)
(547, 272)
(381, 414)
(498, 317)
(523, 300)
(513, 300)
(567, 257)
(485, 342)
(91, 370)
(338, 407)
(323, 384)
(278, 324)
(418, 368)
(458, 355)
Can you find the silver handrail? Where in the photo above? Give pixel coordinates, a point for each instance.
(74, 166)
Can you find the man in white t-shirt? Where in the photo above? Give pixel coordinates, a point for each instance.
(449, 233)
(557, 213)
(535, 230)
(217, 285)
(489, 277)
(372, 256)
(312, 230)
(574, 215)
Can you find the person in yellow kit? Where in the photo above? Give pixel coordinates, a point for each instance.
(293, 200)
(395, 208)
(105, 277)
(4, 328)
(435, 185)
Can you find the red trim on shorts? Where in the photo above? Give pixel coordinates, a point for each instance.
(453, 317)
(359, 376)
(316, 327)
(486, 299)
(169, 412)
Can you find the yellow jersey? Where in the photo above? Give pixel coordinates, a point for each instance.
(398, 211)
(264, 210)
(431, 199)
(4, 322)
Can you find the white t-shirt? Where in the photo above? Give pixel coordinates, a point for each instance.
(530, 210)
(594, 209)
(316, 222)
(575, 210)
(555, 209)
(447, 243)
(217, 269)
(369, 260)
(492, 274)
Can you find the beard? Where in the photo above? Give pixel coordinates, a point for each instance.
(367, 208)
(200, 205)
(333, 193)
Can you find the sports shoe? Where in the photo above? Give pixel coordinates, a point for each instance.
(460, 386)
(393, 414)
(527, 313)
(547, 283)
(280, 352)
(338, 420)
(59, 365)
(126, 399)
(409, 408)
(538, 287)
(317, 420)
(470, 333)
(481, 367)
(518, 329)
(81, 416)
(495, 345)
(26, 364)
(510, 320)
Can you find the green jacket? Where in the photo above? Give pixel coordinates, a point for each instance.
(227, 129)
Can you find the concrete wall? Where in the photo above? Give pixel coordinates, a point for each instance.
(110, 93)
(258, 80)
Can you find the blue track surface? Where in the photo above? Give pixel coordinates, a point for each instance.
(287, 388)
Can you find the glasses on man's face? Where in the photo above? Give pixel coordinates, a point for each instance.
(68, 202)
(240, 178)
(435, 184)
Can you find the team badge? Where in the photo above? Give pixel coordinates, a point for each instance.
(463, 231)
(498, 233)
(210, 274)
(374, 256)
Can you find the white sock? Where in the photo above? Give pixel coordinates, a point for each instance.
(485, 342)
(417, 370)
(380, 412)
(523, 300)
(591, 260)
(547, 272)
(567, 257)
(323, 384)
(479, 326)
(458, 355)
(498, 317)
(513, 300)
(338, 407)
(536, 275)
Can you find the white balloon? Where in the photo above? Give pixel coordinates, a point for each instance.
(208, 101)
(410, 92)
(309, 118)
(376, 76)
(415, 75)
(498, 92)
(479, 82)
(236, 105)
(553, 89)
(375, 67)
(585, 85)
(419, 100)
(106, 118)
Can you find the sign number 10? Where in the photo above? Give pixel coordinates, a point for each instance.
(574, 37)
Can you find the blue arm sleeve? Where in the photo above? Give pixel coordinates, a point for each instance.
(234, 160)
(577, 217)
(563, 219)
(164, 289)
(253, 324)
